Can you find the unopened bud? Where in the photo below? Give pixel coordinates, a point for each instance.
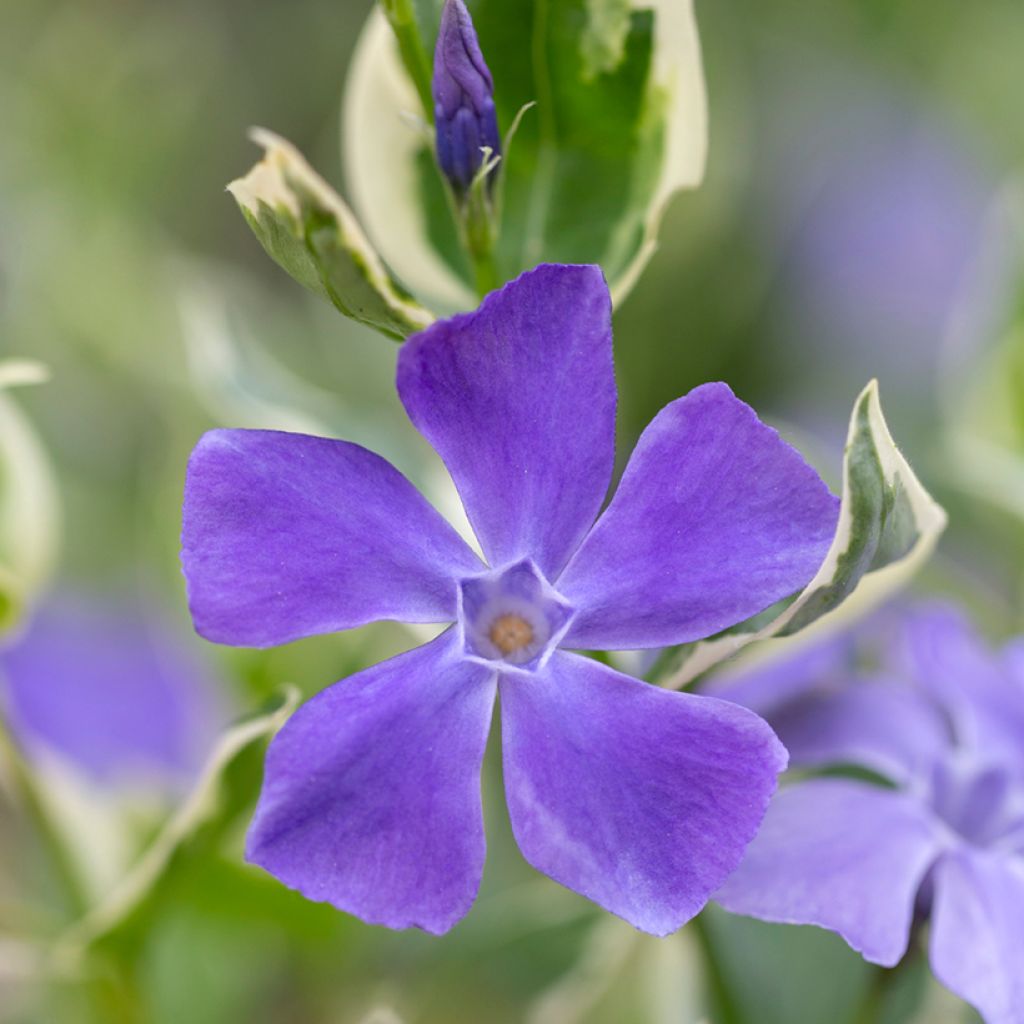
(463, 92)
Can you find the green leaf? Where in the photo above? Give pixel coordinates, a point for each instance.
(308, 229)
(888, 526)
(620, 125)
(29, 508)
(225, 790)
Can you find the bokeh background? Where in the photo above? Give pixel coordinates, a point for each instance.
(861, 217)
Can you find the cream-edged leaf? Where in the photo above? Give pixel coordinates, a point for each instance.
(307, 228)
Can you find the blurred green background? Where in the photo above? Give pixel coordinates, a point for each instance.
(857, 220)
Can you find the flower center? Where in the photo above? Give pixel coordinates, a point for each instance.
(984, 805)
(512, 616)
(511, 633)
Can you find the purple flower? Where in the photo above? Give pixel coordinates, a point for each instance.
(464, 115)
(947, 842)
(641, 799)
(109, 688)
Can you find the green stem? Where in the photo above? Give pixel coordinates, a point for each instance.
(402, 18)
(476, 219)
(882, 995)
(485, 269)
(723, 1008)
(34, 806)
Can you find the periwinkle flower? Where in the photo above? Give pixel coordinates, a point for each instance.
(465, 120)
(944, 724)
(106, 687)
(641, 799)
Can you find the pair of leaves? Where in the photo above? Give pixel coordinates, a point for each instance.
(619, 125)
(888, 527)
(29, 511)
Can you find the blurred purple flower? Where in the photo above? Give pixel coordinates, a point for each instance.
(109, 688)
(640, 799)
(884, 202)
(946, 728)
(464, 116)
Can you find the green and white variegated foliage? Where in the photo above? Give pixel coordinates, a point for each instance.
(307, 228)
(224, 792)
(619, 126)
(609, 102)
(29, 510)
(888, 526)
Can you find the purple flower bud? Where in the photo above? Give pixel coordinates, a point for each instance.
(463, 91)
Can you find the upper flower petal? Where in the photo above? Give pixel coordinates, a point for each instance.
(879, 724)
(641, 799)
(974, 684)
(371, 798)
(842, 855)
(716, 518)
(518, 398)
(977, 942)
(286, 536)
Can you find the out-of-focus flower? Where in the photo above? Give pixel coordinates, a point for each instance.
(877, 203)
(108, 690)
(639, 798)
(464, 116)
(945, 726)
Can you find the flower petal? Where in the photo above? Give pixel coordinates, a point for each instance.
(842, 855)
(371, 798)
(638, 798)
(878, 724)
(977, 942)
(286, 535)
(518, 398)
(715, 519)
(974, 684)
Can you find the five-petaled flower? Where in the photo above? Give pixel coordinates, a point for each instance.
(944, 723)
(641, 799)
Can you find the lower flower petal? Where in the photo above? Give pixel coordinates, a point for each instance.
(371, 798)
(638, 798)
(977, 940)
(842, 855)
